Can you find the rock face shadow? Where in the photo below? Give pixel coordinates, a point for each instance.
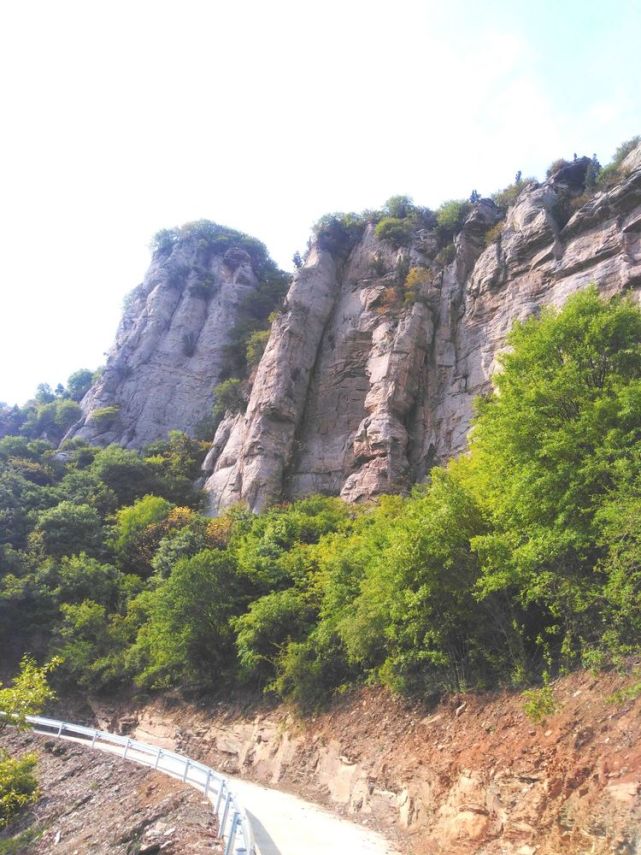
(266, 845)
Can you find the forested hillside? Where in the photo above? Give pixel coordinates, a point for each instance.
(513, 563)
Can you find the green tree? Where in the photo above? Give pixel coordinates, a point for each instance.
(133, 540)
(450, 218)
(187, 635)
(560, 434)
(79, 384)
(69, 528)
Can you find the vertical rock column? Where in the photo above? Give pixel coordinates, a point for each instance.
(253, 469)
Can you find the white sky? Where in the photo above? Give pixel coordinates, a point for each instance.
(121, 118)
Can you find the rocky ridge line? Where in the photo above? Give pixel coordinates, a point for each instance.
(359, 392)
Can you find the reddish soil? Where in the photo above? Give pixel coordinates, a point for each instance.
(471, 775)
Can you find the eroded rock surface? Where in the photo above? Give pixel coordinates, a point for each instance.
(364, 386)
(172, 345)
(470, 775)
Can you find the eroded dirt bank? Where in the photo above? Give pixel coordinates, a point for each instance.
(470, 775)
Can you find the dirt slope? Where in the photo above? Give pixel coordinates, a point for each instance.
(470, 775)
(91, 802)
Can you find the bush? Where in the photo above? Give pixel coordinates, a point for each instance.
(204, 287)
(79, 384)
(229, 397)
(450, 218)
(69, 528)
(339, 233)
(624, 150)
(377, 263)
(399, 207)
(507, 197)
(256, 344)
(416, 280)
(134, 541)
(540, 703)
(555, 166)
(164, 241)
(104, 418)
(18, 785)
(395, 231)
(189, 344)
(446, 255)
(493, 234)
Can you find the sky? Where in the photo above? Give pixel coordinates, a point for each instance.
(122, 117)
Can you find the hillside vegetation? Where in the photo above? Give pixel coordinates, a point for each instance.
(513, 563)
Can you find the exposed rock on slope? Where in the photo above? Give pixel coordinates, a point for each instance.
(364, 385)
(471, 776)
(173, 344)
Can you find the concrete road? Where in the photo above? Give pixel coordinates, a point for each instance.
(286, 825)
(282, 824)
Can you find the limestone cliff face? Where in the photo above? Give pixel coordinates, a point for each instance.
(172, 346)
(366, 383)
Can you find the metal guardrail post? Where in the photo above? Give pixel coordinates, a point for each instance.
(186, 772)
(158, 755)
(223, 821)
(232, 833)
(221, 793)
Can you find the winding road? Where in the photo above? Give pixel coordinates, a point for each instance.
(281, 824)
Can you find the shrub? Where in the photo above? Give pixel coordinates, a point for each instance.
(176, 275)
(399, 207)
(79, 384)
(506, 197)
(395, 231)
(104, 417)
(164, 241)
(256, 344)
(539, 703)
(402, 268)
(388, 299)
(229, 397)
(493, 234)
(69, 528)
(450, 218)
(204, 287)
(555, 166)
(446, 255)
(378, 265)
(18, 785)
(624, 150)
(416, 279)
(339, 233)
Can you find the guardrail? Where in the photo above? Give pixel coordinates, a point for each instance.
(233, 823)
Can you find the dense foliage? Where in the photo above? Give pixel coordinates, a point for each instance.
(51, 412)
(514, 562)
(26, 695)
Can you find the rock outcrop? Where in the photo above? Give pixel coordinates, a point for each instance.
(173, 344)
(370, 373)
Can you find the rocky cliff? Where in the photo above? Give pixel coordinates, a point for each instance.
(383, 342)
(370, 372)
(180, 335)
